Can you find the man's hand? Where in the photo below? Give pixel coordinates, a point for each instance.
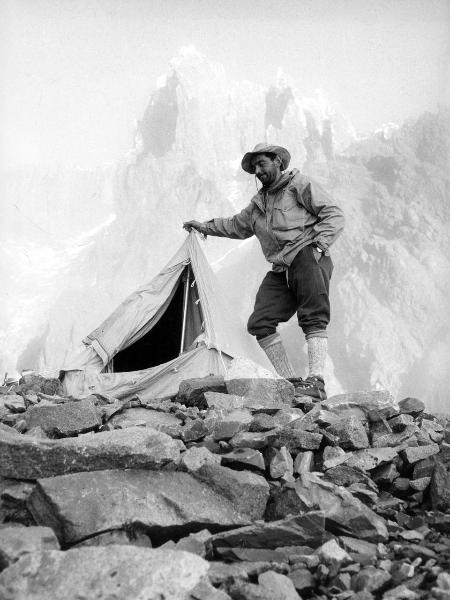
(190, 225)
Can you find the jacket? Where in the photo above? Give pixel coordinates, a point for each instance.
(285, 217)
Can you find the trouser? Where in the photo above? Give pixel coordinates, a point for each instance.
(303, 289)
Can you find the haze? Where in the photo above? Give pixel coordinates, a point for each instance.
(76, 75)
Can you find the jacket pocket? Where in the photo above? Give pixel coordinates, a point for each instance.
(289, 217)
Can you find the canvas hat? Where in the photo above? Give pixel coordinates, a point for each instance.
(262, 148)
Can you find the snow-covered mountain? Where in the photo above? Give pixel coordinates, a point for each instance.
(391, 281)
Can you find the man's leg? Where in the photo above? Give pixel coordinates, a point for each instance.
(274, 304)
(309, 280)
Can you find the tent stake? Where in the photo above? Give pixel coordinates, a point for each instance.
(185, 300)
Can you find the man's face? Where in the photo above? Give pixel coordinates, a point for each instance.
(267, 169)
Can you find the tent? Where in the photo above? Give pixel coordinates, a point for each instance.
(177, 326)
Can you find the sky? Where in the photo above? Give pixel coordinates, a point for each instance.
(75, 75)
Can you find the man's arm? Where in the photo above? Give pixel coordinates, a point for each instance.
(331, 218)
(236, 227)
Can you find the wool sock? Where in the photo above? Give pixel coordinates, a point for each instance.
(273, 347)
(317, 355)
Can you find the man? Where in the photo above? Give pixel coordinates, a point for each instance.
(296, 222)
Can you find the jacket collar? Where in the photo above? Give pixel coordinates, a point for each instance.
(258, 198)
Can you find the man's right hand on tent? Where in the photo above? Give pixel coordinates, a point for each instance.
(190, 225)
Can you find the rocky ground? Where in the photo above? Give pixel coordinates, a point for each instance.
(238, 488)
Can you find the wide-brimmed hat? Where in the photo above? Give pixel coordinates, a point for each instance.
(264, 148)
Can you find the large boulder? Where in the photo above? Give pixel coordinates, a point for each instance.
(247, 379)
(165, 503)
(27, 457)
(64, 420)
(119, 572)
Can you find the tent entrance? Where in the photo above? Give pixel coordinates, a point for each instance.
(177, 328)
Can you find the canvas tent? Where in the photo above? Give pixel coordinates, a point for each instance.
(177, 326)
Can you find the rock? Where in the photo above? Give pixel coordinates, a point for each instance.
(287, 416)
(194, 543)
(420, 485)
(64, 420)
(205, 591)
(341, 582)
(442, 589)
(119, 572)
(161, 421)
(412, 455)
(433, 429)
(244, 457)
(246, 491)
(266, 391)
(411, 406)
(359, 547)
(262, 422)
(333, 556)
(396, 439)
(279, 586)
(370, 458)
(325, 418)
(224, 403)
(364, 595)
(221, 573)
(304, 462)
(280, 463)
(385, 475)
(300, 530)
(191, 392)
(283, 501)
(334, 456)
(400, 422)
(13, 403)
(252, 555)
(351, 433)
(17, 492)
(17, 541)
(249, 591)
(83, 504)
(371, 579)
(440, 486)
(23, 457)
(37, 383)
(256, 440)
(37, 432)
(234, 422)
(346, 476)
(14, 497)
(196, 457)
(345, 513)
(297, 440)
(194, 430)
(376, 404)
(401, 592)
(303, 580)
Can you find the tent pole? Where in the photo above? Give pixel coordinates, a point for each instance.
(185, 301)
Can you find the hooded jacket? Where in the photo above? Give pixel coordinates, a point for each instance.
(285, 217)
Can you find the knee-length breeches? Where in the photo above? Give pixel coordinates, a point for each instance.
(303, 289)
